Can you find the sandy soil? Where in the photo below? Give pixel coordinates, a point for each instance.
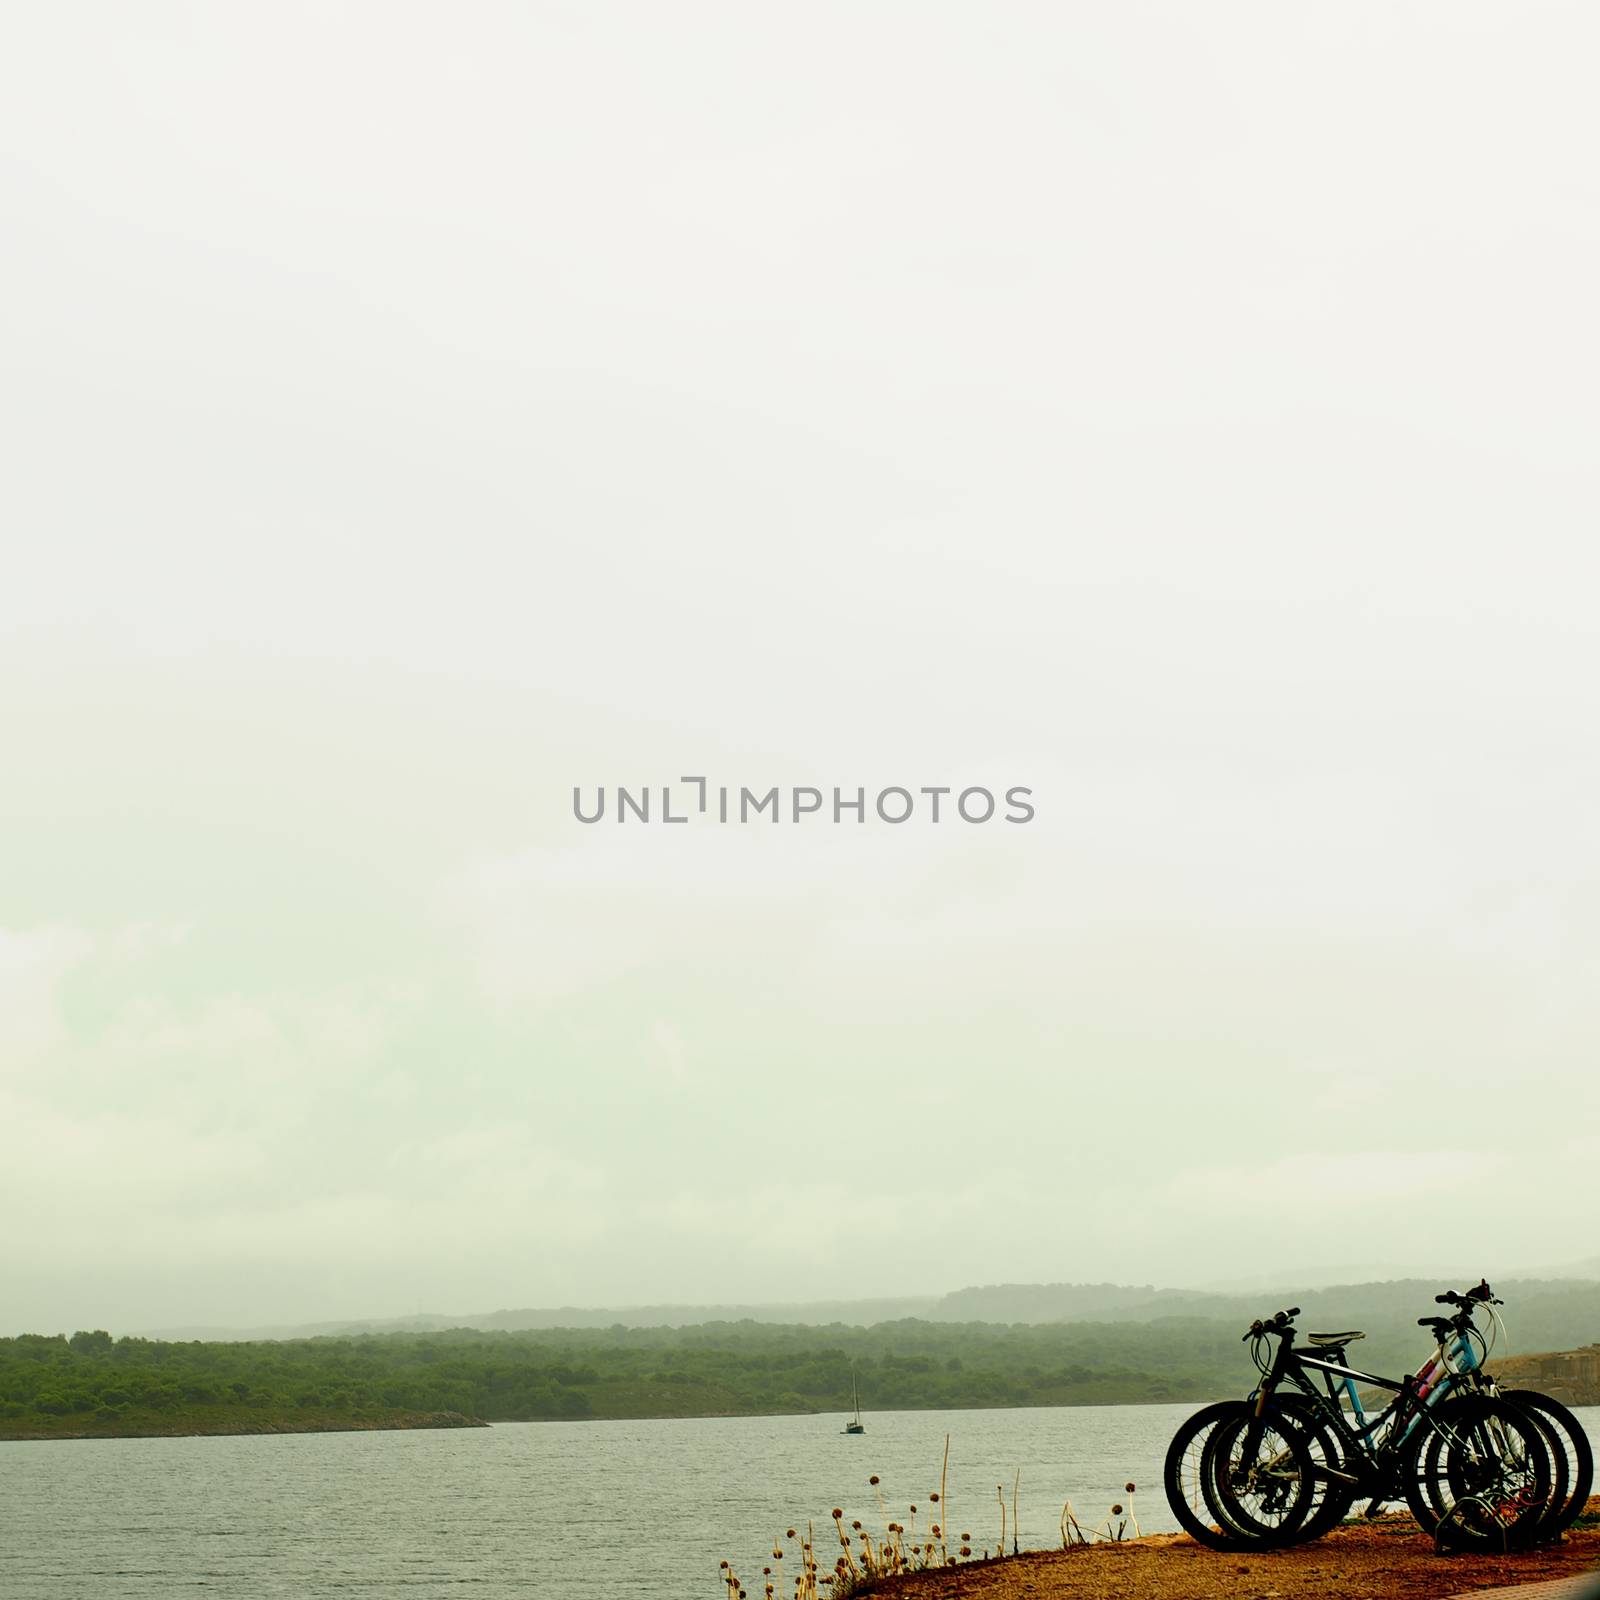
(1385, 1560)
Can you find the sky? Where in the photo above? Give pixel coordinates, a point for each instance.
(413, 414)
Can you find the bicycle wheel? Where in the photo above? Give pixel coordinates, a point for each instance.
(1439, 1488)
(1571, 1444)
(1457, 1452)
(1258, 1478)
(1333, 1468)
(1181, 1476)
(1555, 1500)
(1479, 1475)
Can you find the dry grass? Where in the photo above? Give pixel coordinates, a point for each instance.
(920, 1541)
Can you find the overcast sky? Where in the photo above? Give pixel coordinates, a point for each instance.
(412, 412)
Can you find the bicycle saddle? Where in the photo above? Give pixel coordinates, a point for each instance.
(1330, 1340)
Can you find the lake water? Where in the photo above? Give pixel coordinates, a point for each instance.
(577, 1510)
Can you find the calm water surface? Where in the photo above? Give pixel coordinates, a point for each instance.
(579, 1510)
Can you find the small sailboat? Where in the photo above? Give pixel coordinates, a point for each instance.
(855, 1424)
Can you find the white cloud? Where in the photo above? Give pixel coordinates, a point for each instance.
(33, 966)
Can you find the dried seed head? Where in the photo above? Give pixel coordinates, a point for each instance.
(1128, 1487)
(873, 1479)
(1116, 1511)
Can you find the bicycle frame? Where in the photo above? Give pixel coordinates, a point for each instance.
(1377, 1440)
(1443, 1372)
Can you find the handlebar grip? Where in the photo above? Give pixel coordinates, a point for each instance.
(1432, 1322)
(1273, 1323)
(1445, 1299)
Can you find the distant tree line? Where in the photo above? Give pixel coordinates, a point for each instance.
(93, 1383)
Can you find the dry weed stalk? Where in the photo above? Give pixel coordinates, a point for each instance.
(865, 1557)
(1119, 1520)
(1071, 1532)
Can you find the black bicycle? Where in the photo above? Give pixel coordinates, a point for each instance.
(1289, 1463)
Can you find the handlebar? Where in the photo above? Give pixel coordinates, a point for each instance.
(1481, 1294)
(1274, 1324)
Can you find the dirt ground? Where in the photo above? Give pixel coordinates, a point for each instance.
(1384, 1560)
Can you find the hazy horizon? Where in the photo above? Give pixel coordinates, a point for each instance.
(1264, 1283)
(1186, 414)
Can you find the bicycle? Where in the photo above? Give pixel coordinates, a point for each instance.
(1464, 1348)
(1473, 1468)
(1289, 1464)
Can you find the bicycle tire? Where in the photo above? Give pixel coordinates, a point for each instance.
(1180, 1476)
(1331, 1464)
(1437, 1474)
(1513, 1492)
(1433, 1480)
(1479, 1477)
(1573, 1443)
(1429, 1474)
(1555, 1500)
(1263, 1493)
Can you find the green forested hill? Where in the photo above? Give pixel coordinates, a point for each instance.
(94, 1384)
